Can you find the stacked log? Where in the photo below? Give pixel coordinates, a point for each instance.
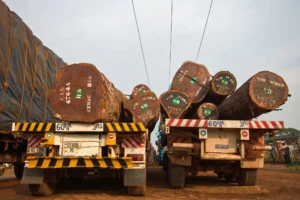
(192, 79)
(174, 104)
(144, 108)
(208, 111)
(83, 94)
(221, 85)
(139, 89)
(262, 93)
(27, 71)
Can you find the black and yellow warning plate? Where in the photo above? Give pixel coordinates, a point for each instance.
(79, 162)
(78, 127)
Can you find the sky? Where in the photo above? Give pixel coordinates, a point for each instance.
(242, 36)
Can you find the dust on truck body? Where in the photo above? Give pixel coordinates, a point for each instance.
(232, 149)
(56, 151)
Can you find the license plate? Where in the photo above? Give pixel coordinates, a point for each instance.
(222, 146)
(36, 150)
(71, 147)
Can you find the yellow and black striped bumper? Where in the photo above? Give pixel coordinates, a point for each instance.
(52, 127)
(79, 162)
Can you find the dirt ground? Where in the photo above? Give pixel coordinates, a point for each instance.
(274, 182)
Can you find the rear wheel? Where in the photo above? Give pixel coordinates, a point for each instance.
(176, 176)
(18, 170)
(43, 189)
(247, 177)
(137, 190)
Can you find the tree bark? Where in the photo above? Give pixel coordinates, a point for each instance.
(262, 93)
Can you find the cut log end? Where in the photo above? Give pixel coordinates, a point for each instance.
(145, 108)
(83, 94)
(174, 103)
(139, 89)
(268, 90)
(193, 79)
(208, 111)
(223, 83)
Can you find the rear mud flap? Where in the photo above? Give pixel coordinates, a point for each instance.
(134, 177)
(33, 176)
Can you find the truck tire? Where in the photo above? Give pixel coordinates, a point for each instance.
(44, 189)
(165, 161)
(18, 170)
(176, 176)
(247, 177)
(137, 190)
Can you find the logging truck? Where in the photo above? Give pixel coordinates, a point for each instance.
(61, 151)
(233, 149)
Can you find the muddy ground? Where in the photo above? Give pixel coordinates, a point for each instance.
(274, 182)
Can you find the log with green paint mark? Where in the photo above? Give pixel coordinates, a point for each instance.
(192, 79)
(139, 89)
(174, 104)
(208, 111)
(221, 85)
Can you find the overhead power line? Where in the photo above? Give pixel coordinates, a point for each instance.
(138, 30)
(171, 29)
(204, 29)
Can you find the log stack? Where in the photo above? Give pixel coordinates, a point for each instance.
(203, 98)
(83, 94)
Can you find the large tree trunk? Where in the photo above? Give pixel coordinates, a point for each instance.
(222, 85)
(262, 93)
(144, 108)
(192, 79)
(174, 104)
(83, 94)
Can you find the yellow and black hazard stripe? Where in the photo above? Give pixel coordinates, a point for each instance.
(34, 127)
(79, 162)
(125, 127)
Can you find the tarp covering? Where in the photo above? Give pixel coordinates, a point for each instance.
(27, 71)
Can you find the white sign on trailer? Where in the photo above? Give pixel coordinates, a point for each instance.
(79, 127)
